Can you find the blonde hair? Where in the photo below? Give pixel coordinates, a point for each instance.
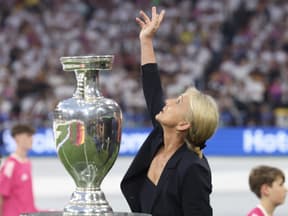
(203, 116)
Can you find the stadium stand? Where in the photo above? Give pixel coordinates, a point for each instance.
(234, 50)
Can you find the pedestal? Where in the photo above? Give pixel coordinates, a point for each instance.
(61, 214)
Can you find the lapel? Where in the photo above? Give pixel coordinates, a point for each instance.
(167, 172)
(139, 166)
(143, 159)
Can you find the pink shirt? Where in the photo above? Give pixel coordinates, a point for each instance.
(16, 187)
(258, 211)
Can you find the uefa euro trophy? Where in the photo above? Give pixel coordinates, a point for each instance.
(87, 129)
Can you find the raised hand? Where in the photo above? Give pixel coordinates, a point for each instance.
(149, 25)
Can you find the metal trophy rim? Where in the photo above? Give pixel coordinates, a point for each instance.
(87, 62)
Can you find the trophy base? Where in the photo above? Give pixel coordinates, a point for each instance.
(87, 202)
(105, 214)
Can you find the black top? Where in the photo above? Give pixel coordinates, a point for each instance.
(147, 194)
(184, 186)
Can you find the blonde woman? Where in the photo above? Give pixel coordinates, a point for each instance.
(170, 176)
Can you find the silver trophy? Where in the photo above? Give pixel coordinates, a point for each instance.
(87, 129)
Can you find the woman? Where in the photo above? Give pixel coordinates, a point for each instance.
(170, 175)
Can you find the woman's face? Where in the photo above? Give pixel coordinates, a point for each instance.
(174, 111)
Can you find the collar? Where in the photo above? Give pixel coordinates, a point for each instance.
(262, 209)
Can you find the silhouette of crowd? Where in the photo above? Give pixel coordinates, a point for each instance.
(234, 50)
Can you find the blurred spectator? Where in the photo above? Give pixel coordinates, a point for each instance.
(233, 49)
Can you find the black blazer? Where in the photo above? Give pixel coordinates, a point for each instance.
(185, 183)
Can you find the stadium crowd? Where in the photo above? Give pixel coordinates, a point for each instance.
(235, 50)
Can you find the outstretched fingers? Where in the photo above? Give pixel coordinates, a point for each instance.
(154, 12)
(144, 17)
(149, 25)
(140, 22)
(157, 18)
(161, 16)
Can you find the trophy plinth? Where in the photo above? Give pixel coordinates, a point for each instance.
(87, 129)
(104, 214)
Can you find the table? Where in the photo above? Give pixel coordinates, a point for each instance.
(59, 213)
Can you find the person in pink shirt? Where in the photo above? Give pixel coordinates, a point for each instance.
(16, 193)
(267, 183)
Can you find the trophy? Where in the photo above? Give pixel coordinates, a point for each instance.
(87, 129)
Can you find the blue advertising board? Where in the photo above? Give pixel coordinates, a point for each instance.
(248, 142)
(226, 142)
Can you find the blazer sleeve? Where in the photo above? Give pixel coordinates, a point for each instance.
(195, 190)
(152, 90)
